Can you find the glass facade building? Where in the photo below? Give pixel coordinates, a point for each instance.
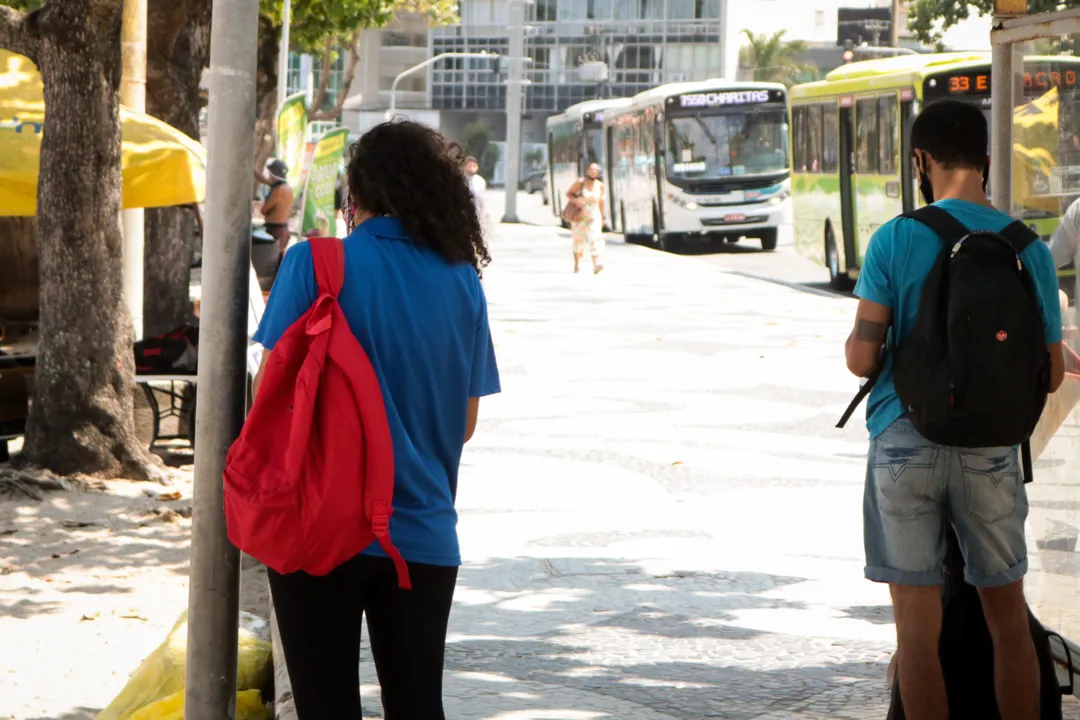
(642, 44)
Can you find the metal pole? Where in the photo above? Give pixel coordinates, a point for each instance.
(133, 95)
(283, 56)
(894, 26)
(420, 66)
(1001, 127)
(726, 39)
(514, 90)
(214, 599)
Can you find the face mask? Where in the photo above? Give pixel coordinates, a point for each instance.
(925, 187)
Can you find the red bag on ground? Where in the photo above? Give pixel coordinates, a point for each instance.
(310, 481)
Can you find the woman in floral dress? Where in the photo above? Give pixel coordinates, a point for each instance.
(588, 229)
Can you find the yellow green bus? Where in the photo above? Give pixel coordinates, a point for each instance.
(851, 132)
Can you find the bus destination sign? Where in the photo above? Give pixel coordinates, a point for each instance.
(1036, 82)
(724, 99)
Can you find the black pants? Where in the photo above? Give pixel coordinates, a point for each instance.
(319, 619)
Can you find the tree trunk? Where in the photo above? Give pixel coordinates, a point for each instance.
(81, 417)
(266, 91)
(178, 49)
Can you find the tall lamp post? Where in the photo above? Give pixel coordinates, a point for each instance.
(514, 94)
(420, 66)
(133, 96)
(283, 55)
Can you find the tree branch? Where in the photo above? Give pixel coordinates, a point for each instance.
(19, 33)
(346, 82)
(324, 77)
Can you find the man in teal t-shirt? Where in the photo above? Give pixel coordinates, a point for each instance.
(913, 485)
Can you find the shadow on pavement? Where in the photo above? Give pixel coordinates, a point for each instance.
(593, 637)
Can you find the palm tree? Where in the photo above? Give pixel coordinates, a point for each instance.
(773, 59)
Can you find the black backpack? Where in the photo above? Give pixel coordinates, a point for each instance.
(967, 652)
(974, 370)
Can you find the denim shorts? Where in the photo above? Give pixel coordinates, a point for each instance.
(913, 485)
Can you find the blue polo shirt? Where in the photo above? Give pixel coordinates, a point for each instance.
(898, 259)
(423, 323)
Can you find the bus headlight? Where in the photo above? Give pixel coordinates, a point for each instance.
(779, 198)
(683, 202)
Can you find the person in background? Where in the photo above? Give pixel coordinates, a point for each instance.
(1065, 246)
(277, 207)
(477, 184)
(588, 230)
(412, 297)
(913, 486)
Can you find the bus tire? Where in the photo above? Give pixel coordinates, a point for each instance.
(837, 279)
(768, 240)
(670, 242)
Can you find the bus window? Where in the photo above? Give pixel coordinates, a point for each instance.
(830, 159)
(813, 146)
(866, 136)
(888, 122)
(799, 134)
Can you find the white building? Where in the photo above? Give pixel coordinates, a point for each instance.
(816, 22)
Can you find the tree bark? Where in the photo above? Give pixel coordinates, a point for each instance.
(266, 91)
(81, 417)
(178, 49)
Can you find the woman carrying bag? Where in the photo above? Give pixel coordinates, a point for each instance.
(585, 211)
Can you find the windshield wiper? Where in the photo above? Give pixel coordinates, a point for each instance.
(705, 129)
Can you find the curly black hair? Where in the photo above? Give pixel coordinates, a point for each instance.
(409, 171)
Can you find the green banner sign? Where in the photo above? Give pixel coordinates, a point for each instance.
(291, 128)
(319, 212)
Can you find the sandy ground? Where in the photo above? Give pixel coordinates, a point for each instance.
(90, 584)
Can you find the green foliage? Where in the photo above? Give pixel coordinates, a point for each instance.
(924, 16)
(773, 59)
(314, 21)
(23, 4)
(534, 158)
(476, 141)
(475, 137)
(489, 160)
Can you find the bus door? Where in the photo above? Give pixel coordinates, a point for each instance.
(609, 177)
(908, 186)
(847, 180)
(877, 167)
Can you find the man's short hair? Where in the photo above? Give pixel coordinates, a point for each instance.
(471, 159)
(953, 133)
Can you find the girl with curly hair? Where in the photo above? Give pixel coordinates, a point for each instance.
(412, 297)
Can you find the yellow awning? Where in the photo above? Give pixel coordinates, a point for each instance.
(161, 165)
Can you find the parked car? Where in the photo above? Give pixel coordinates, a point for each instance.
(534, 179)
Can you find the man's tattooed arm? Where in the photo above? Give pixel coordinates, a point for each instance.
(864, 346)
(870, 331)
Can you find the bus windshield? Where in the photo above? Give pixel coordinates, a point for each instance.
(723, 145)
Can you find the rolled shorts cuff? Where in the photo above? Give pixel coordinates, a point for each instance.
(1013, 574)
(903, 577)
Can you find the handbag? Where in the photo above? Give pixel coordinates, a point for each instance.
(574, 210)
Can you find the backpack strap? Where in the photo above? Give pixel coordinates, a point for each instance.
(867, 386)
(944, 225)
(328, 256)
(1019, 236)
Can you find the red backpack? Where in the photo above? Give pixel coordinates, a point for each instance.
(310, 481)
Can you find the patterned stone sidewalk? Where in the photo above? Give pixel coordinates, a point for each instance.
(658, 518)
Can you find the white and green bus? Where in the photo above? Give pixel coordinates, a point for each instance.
(574, 142)
(701, 161)
(852, 160)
